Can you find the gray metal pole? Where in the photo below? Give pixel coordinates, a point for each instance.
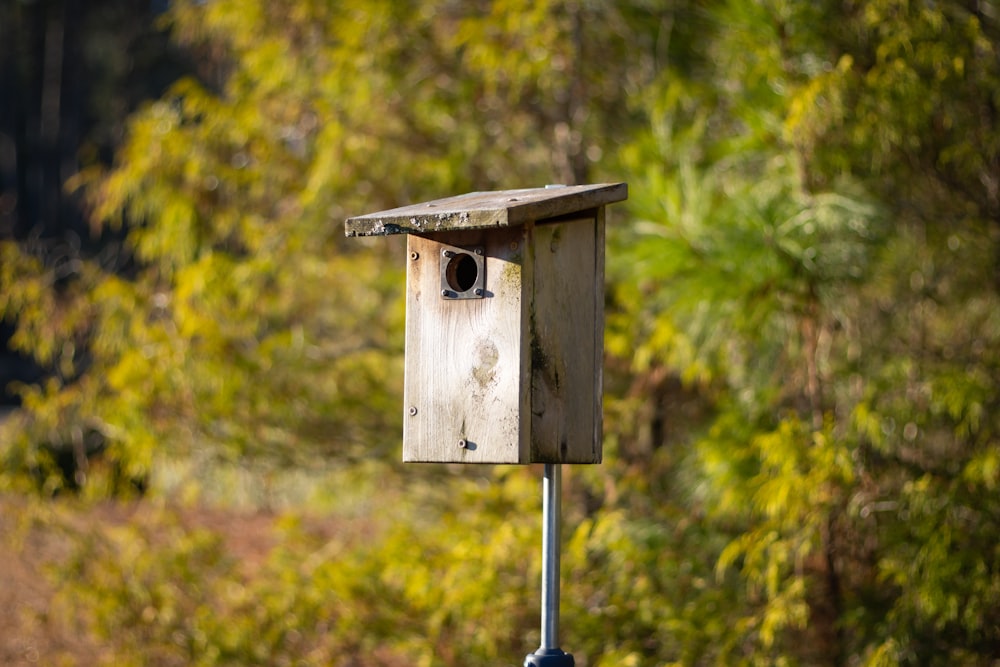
(549, 654)
(551, 529)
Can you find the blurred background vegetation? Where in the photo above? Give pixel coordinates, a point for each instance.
(199, 449)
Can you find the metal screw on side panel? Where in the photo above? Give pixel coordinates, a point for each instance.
(463, 443)
(445, 293)
(414, 255)
(413, 410)
(479, 291)
(448, 253)
(479, 251)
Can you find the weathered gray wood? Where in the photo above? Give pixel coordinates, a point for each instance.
(512, 374)
(567, 337)
(598, 298)
(481, 210)
(465, 359)
(515, 377)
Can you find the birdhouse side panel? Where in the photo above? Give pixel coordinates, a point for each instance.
(567, 334)
(462, 388)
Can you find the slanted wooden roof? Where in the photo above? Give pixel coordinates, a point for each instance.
(479, 210)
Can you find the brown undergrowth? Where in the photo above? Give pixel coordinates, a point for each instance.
(37, 538)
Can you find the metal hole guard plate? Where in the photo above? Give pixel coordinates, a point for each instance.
(457, 278)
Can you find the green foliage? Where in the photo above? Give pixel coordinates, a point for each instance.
(441, 589)
(803, 343)
(249, 327)
(841, 360)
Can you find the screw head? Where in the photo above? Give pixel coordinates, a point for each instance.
(479, 251)
(413, 410)
(479, 291)
(445, 293)
(414, 255)
(463, 443)
(447, 253)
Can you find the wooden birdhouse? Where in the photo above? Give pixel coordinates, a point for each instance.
(504, 323)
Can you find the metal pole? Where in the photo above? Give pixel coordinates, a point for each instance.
(551, 520)
(549, 654)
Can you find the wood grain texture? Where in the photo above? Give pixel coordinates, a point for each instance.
(516, 377)
(464, 358)
(483, 210)
(566, 340)
(503, 359)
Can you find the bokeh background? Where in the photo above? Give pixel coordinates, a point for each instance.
(199, 445)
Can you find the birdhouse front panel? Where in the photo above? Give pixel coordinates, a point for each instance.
(463, 388)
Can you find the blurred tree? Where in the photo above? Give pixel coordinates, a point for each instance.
(803, 324)
(815, 261)
(248, 327)
(70, 73)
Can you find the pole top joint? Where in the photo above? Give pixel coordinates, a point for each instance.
(549, 657)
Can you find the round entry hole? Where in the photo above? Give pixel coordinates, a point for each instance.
(461, 272)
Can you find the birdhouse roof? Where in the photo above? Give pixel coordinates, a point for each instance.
(480, 210)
